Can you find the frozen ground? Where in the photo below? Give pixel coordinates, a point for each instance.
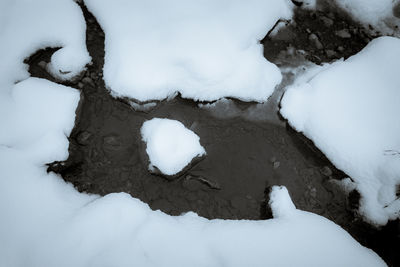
(350, 111)
(170, 145)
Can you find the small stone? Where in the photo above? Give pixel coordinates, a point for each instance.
(88, 81)
(330, 53)
(112, 142)
(80, 85)
(327, 21)
(42, 64)
(343, 34)
(93, 76)
(340, 48)
(315, 40)
(396, 10)
(313, 192)
(83, 138)
(326, 171)
(276, 164)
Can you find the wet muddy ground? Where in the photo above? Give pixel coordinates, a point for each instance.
(249, 147)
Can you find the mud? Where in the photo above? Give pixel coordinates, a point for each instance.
(249, 147)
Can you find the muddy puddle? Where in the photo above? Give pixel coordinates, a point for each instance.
(249, 147)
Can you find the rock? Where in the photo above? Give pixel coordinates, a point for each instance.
(340, 48)
(331, 53)
(88, 81)
(276, 164)
(93, 76)
(326, 171)
(112, 142)
(42, 64)
(327, 21)
(83, 138)
(80, 85)
(315, 41)
(396, 10)
(343, 34)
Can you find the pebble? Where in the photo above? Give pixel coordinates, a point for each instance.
(343, 34)
(80, 85)
(83, 138)
(42, 64)
(326, 171)
(315, 40)
(276, 164)
(112, 142)
(89, 81)
(327, 21)
(331, 53)
(396, 10)
(93, 76)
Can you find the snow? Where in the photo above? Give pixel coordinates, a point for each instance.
(379, 14)
(26, 26)
(169, 145)
(350, 111)
(46, 222)
(205, 50)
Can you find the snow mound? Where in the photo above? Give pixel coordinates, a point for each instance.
(205, 50)
(351, 112)
(280, 202)
(169, 145)
(380, 14)
(27, 26)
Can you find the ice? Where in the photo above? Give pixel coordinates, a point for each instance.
(205, 50)
(350, 111)
(169, 145)
(26, 26)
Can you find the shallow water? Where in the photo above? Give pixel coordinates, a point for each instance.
(249, 148)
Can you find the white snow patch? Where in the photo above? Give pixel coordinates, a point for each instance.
(27, 26)
(377, 13)
(204, 50)
(280, 202)
(350, 110)
(170, 145)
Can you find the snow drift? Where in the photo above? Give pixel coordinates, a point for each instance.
(205, 50)
(351, 112)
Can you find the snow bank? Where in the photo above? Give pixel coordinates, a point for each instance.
(169, 145)
(27, 26)
(377, 13)
(204, 50)
(351, 112)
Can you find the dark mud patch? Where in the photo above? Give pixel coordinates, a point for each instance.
(247, 152)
